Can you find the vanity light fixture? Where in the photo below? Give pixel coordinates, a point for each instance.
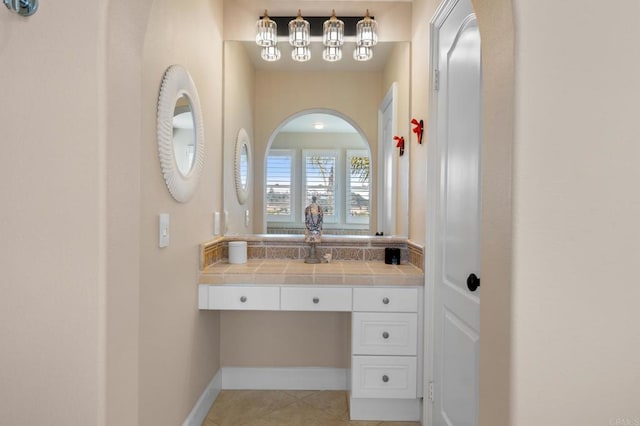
(333, 31)
(299, 31)
(270, 53)
(332, 53)
(363, 30)
(301, 54)
(22, 7)
(362, 53)
(266, 31)
(367, 31)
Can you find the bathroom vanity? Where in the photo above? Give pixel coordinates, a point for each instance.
(385, 302)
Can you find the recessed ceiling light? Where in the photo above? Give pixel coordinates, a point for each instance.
(318, 126)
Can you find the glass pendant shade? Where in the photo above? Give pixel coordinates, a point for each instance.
(301, 54)
(299, 32)
(266, 31)
(270, 53)
(333, 31)
(332, 53)
(362, 53)
(367, 31)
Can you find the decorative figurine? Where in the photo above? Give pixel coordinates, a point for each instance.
(313, 228)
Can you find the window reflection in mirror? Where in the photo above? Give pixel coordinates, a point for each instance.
(244, 164)
(184, 136)
(323, 155)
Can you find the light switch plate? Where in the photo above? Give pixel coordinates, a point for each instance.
(216, 223)
(163, 230)
(247, 218)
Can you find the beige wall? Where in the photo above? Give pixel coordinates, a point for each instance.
(285, 339)
(178, 344)
(576, 208)
(239, 93)
(398, 70)
(496, 30)
(423, 10)
(52, 225)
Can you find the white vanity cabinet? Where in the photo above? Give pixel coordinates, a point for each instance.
(386, 373)
(384, 349)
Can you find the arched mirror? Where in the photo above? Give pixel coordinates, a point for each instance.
(184, 138)
(318, 154)
(242, 166)
(180, 133)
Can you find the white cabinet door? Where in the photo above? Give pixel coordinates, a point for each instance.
(316, 299)
(384, 377)
(384, 333)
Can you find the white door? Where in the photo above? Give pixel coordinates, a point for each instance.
(456, 215)
(387, 124)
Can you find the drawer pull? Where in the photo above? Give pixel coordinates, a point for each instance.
(243, 299)
(385, 378)
(385, 300)
(316, 300)
(385, 335)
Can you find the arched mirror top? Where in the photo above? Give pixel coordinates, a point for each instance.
(319, 121)
(242, 166)
(180, 133)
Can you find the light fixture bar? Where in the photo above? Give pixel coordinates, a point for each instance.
(315, 24)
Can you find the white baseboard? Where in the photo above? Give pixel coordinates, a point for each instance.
(202, 407)
(295, 378)
(398, 410)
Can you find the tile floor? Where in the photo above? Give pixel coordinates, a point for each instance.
(285, 408)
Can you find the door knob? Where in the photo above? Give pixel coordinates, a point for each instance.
(473, 282)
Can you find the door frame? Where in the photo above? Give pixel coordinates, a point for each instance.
(390, 98)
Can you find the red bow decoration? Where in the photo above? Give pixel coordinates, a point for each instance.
(399, 144)
(418, 129)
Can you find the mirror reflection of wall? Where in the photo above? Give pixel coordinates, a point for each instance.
(184, 138)
(322, 155)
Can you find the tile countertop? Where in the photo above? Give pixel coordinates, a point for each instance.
(296, 272)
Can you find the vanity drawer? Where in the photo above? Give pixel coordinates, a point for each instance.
(316, 299)
(385, 299)
(261, 298)
(384, 333)
(384, 377)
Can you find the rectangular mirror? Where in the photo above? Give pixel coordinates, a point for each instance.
(315, 127)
